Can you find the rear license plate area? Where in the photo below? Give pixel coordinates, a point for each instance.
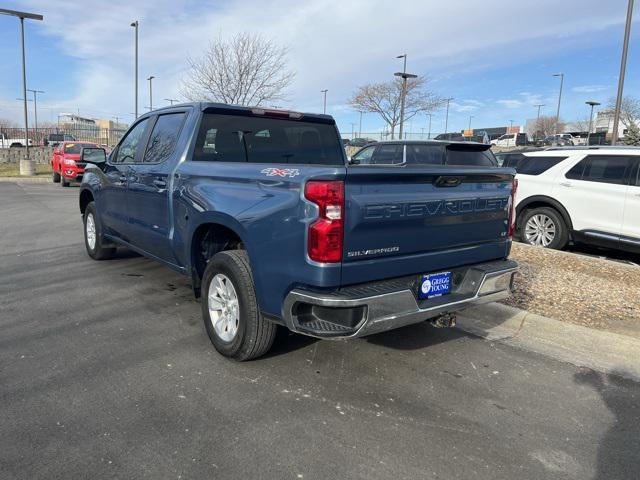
(434, 285)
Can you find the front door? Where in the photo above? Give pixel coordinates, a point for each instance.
(148, 188)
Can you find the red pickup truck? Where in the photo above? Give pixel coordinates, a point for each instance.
(66, 164)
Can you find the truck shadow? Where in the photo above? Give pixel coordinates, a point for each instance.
(618, 450)
(415, 337)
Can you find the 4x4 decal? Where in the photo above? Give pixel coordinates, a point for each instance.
(281, 172)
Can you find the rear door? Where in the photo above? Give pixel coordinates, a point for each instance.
(631, 221)
(147, 194)
(424, 216)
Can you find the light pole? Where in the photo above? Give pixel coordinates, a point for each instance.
(360, 125)
(429, 134)
(623, 68)
(353, 126)
(404, 75)
(561, 75)
(150, 92)
(421, 133)
(324, 108)
(171, 100)
(592, 104)
(446, 118)
(35, 108)
(27, 167)
(135, 26)
(470, 117)
(539, 105)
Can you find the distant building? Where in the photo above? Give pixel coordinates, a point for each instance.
(70, 120)
(107, 124)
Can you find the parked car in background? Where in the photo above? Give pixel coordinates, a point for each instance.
(560, 140)
(66, 164)
(585, 194)
(8, 142)
(55, 139)
(512, 140)
(360, 142)
(260, 209)
(455, 137)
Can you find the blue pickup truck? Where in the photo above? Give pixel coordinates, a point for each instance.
(276, 226)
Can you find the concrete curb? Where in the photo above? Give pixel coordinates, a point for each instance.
(581, 346)
(38, 179)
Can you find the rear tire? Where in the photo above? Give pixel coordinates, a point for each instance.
(230, 309)
(93, 240)
(544, 227)
(55, 177)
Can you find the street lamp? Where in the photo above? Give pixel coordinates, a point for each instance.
(429, 134)
(135, 26)
(539, 105)
(446, 118)
(353, 126)
(150, 92)
(324, 108)
(470, 117)
(27, 167)
(171, 100)
(360, 125)
(623, 68)
(592, 104)
(561, 75)
(35, 108)
(404, 75)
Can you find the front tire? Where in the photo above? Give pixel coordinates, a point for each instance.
(544, 227)
(93, 240)
(55, 177)
(230, 309)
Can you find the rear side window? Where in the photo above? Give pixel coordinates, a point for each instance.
(388, 154)
(531, 165)
(425, 154)
(464, 155)
(602, 168)
(235, 138)
(164, 137)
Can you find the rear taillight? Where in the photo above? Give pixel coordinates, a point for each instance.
(324, 243)
(512, 211)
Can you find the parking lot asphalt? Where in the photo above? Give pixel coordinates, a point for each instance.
(106, 372)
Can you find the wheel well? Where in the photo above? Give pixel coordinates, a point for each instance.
(546, 203)
(209, 239)
(86, 197)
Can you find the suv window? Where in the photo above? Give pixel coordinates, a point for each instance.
(129, 144)
(425, 154)
(388, 154)
(164, 137)
(532, 165)
(601, 168)
(235, 138)
(363, 157)
(470, 155)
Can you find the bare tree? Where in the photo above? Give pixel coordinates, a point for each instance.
(384, 99)
(582, 124)
(546, 125)
(245, 70)
(629, 110)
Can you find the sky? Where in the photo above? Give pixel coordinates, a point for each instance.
(496, 59)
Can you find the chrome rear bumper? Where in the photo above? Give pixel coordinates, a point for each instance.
(372, 308)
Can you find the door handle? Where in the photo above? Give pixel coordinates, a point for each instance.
(566, 184)
(122, 178)
(160, 183)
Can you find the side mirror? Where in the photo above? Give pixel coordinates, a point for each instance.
(97, 156)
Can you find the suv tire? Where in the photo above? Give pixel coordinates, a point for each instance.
(55, 177)
(230, 309)
(93, 240)
(544, 227)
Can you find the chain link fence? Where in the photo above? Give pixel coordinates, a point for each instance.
(45, 136)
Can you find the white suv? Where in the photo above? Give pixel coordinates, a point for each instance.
(588, 195)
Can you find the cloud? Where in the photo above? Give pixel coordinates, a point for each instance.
(463, 106)
(590, 88)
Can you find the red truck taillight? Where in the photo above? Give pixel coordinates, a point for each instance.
(512, 212)
(324, 243)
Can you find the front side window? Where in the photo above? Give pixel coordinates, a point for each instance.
(363, 157)
(602, 168)
(388, 154)
(236, 138)
(129, 145)
(164, 137)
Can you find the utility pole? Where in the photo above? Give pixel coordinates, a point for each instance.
(27, 166)
(561, 75)
(360, 125)
(623, 69)
(150, 92)
(429, 134)
(135, 26)
(446, 119)
(353, 126)
(171, 100)
(539, 105)
(404, 75)
(324, 108)
(592, 104)
(470, 117)
(35, 108)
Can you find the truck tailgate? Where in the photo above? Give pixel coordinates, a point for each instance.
(402, 221)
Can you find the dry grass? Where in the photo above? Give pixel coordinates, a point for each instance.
(587, 291)
(13, 169)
